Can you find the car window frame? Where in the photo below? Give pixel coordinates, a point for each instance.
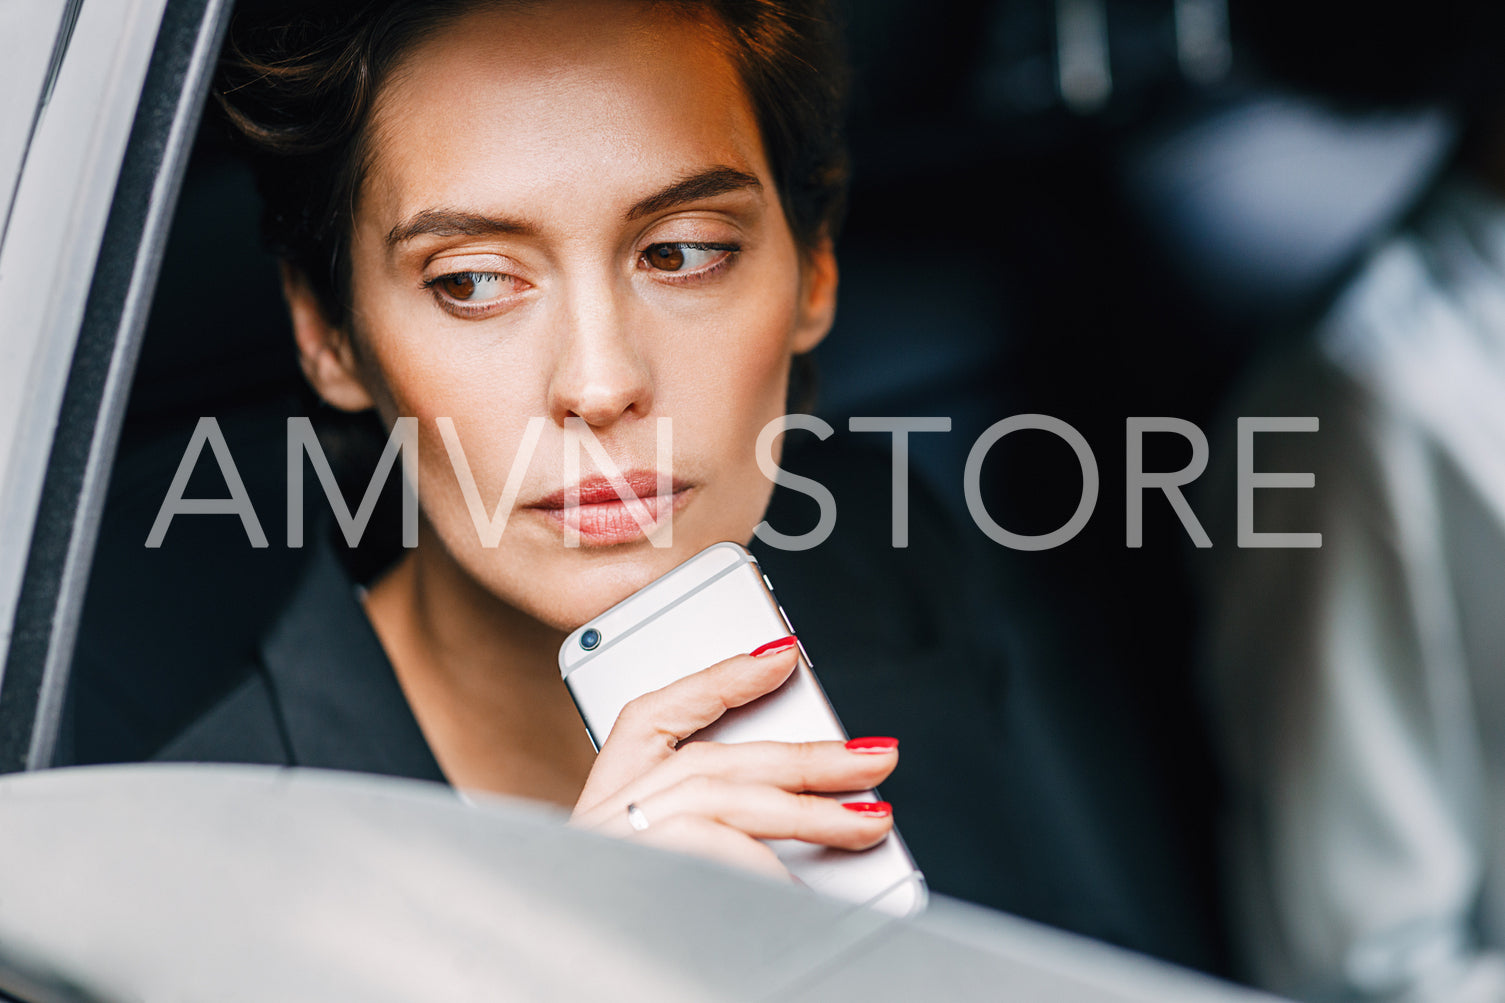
(28, 75)
(65, 527)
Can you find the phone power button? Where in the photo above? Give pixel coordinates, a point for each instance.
(793, 633)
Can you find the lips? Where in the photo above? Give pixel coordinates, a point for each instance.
(598, 490)
(596, 511)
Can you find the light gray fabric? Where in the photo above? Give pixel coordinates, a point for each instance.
(1358, 690)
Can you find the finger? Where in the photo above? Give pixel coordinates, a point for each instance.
(831, 767)
(712, 840)
(769, 813)
(650, 728)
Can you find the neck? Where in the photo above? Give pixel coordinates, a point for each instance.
(482, 679)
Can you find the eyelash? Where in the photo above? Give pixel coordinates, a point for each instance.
(680, 278)
(459, 308)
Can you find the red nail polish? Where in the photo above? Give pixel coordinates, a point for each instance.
(873, 744)
(772, 647)
(876, 809)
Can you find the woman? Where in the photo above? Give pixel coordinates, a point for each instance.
(612, 212)
(581, 211)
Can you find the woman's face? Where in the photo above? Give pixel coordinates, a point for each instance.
(569, 215)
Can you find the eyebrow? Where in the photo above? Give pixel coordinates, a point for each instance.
(704, 184)
(441, 222)
(455, 223)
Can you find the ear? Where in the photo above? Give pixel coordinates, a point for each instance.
(323, 349)
(817, 308)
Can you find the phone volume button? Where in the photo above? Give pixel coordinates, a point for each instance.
(786, 620)
(767, 582)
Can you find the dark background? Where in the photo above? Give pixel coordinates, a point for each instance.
(1008, 250)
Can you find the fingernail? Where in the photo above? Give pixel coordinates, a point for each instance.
(876, 809)
(872, 744)
(772, 647)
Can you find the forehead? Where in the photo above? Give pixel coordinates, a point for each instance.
(586, 102)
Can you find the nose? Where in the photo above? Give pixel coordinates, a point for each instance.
(600, 375)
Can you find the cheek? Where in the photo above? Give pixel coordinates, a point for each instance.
(488, 424)
(736, 367)
(764, 363)
(430, 373)
(722, 389)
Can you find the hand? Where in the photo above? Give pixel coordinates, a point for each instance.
(718, 800)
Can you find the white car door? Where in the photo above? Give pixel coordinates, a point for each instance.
(91, 158)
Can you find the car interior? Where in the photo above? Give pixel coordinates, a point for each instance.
(1009, 249)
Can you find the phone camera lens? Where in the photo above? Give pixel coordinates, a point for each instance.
(590, 639)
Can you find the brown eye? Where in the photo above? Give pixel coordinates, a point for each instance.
(666, 257)
(689, 260)
(472, 287)
(461, 286)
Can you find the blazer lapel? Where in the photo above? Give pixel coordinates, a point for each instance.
(337, 694)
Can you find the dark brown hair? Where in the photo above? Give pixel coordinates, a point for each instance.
(299, 83)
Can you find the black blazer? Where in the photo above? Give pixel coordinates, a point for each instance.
(990, 794)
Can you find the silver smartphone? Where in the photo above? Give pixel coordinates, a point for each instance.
(713, 606)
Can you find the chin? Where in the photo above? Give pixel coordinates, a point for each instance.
(591, 586)
(563, 587)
